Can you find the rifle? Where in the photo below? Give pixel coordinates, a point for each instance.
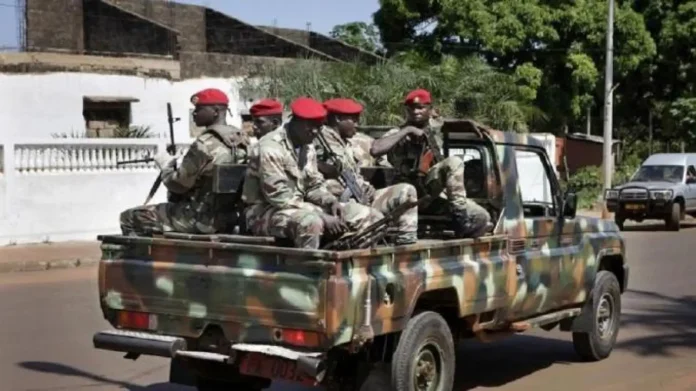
(171, 148)
(346, 175)
(375, 232)
(430, 154)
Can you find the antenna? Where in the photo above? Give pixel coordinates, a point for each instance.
(309, 26)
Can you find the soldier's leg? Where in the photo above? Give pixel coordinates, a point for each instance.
(303, 226)
(390, 198)
(145, 220)
(470, 218)
(358, 216)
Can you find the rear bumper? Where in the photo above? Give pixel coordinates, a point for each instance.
(311, 364)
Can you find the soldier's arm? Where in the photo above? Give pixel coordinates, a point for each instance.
(317, 192)
(181, 179)
(387, 142)
(327, 170)
(275, 184)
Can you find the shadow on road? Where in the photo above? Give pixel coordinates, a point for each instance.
(653, 226)
(505, 361)
(669, 322)
(65, 370)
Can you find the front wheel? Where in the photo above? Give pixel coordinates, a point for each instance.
(606, 311)
(673, 220)
(424, 359)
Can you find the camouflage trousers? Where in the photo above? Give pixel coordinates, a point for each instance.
(181, 217)
(448, 176)
(405, 230)
(305, 226)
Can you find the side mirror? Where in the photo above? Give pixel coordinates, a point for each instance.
(570, 205)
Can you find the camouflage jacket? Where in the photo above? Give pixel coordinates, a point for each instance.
(361, 144)
(345, 150)
(405, 154)
(281, 176)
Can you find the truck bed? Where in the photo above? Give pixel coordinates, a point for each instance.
(264, 294)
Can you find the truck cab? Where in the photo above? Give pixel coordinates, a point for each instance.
(236, 311)
(663, 188)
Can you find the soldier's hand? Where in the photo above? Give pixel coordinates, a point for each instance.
(415, 132)
(164, 159)
(337, 210)
(369, 191)
(333, 225)
(171, 149)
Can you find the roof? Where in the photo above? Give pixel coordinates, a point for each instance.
(670, 159)
(589, 138)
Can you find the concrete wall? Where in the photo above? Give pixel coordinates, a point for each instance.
(56, 190)
(38, 105)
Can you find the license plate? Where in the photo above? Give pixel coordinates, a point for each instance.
(261, 365)
(634, 206)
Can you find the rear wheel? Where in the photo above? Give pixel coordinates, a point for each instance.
(424, 359)
(606, 311)
(673, 220)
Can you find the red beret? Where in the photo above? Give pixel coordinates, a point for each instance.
(418, 96)
(343, 106)
(308, 108)
(210, 96)
(266, 107)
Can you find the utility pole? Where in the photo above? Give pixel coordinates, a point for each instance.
(608, 99)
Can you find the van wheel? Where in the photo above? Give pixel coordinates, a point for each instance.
(606, 311)
(424, 359)
(673, 221)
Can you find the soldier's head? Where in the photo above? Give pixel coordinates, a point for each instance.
(418, 109)
(210, 107)
(267, 115)
(343, 115)
(308, 116)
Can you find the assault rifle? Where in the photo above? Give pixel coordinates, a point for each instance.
(171, 148)
(375, 232)
(346, 175)
(430, 154)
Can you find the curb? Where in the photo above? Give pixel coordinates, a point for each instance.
(36, 266)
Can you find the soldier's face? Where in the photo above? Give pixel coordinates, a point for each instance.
(347, 125)
(303, 131)
(263, 125)
(418, 113)
(205, 115)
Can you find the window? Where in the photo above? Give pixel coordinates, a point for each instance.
(535, 186)
(691, 174)
(105, 115)
(474, 171)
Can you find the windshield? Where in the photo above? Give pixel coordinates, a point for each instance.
(673, 174)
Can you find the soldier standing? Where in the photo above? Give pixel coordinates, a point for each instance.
(195, 209)
(267, 115)
(343, 116)
(403, 147)
(287, 194)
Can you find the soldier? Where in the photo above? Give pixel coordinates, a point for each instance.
(287, 195)
(361, 144)
(267, 115)
(403, 147)
(343, 116)
(195, 210)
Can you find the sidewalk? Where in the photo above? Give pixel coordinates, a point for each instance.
(63, 255)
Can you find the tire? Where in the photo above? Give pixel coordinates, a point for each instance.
(619, 220)
(426, 341)
(673, 221)
(598, 344)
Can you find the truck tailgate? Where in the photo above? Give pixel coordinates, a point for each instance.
(187, 286)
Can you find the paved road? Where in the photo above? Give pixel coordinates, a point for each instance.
(47, 320)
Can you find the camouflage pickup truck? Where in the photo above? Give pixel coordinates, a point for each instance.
(237, 312)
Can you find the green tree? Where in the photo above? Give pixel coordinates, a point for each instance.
(359, 34)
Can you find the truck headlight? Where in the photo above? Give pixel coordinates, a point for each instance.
(611, 194)
(661, 194)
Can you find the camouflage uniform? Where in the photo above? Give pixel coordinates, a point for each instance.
(361, 144)
(448, 175)
(193, 181)
(287, 194)
(385, 200)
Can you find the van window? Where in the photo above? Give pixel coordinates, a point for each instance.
(691, 172)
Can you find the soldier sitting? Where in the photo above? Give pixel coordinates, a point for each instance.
(404, 147)
(286, 193)
(338, 136)
(267, 115)
(195, 208)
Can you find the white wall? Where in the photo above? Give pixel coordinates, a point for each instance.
(37, 105)
(63, 189)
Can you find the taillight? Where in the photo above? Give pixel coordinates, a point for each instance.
(137, 320)
(300, 337)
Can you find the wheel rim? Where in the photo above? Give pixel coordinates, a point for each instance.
(426, 368)
(605, 316)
